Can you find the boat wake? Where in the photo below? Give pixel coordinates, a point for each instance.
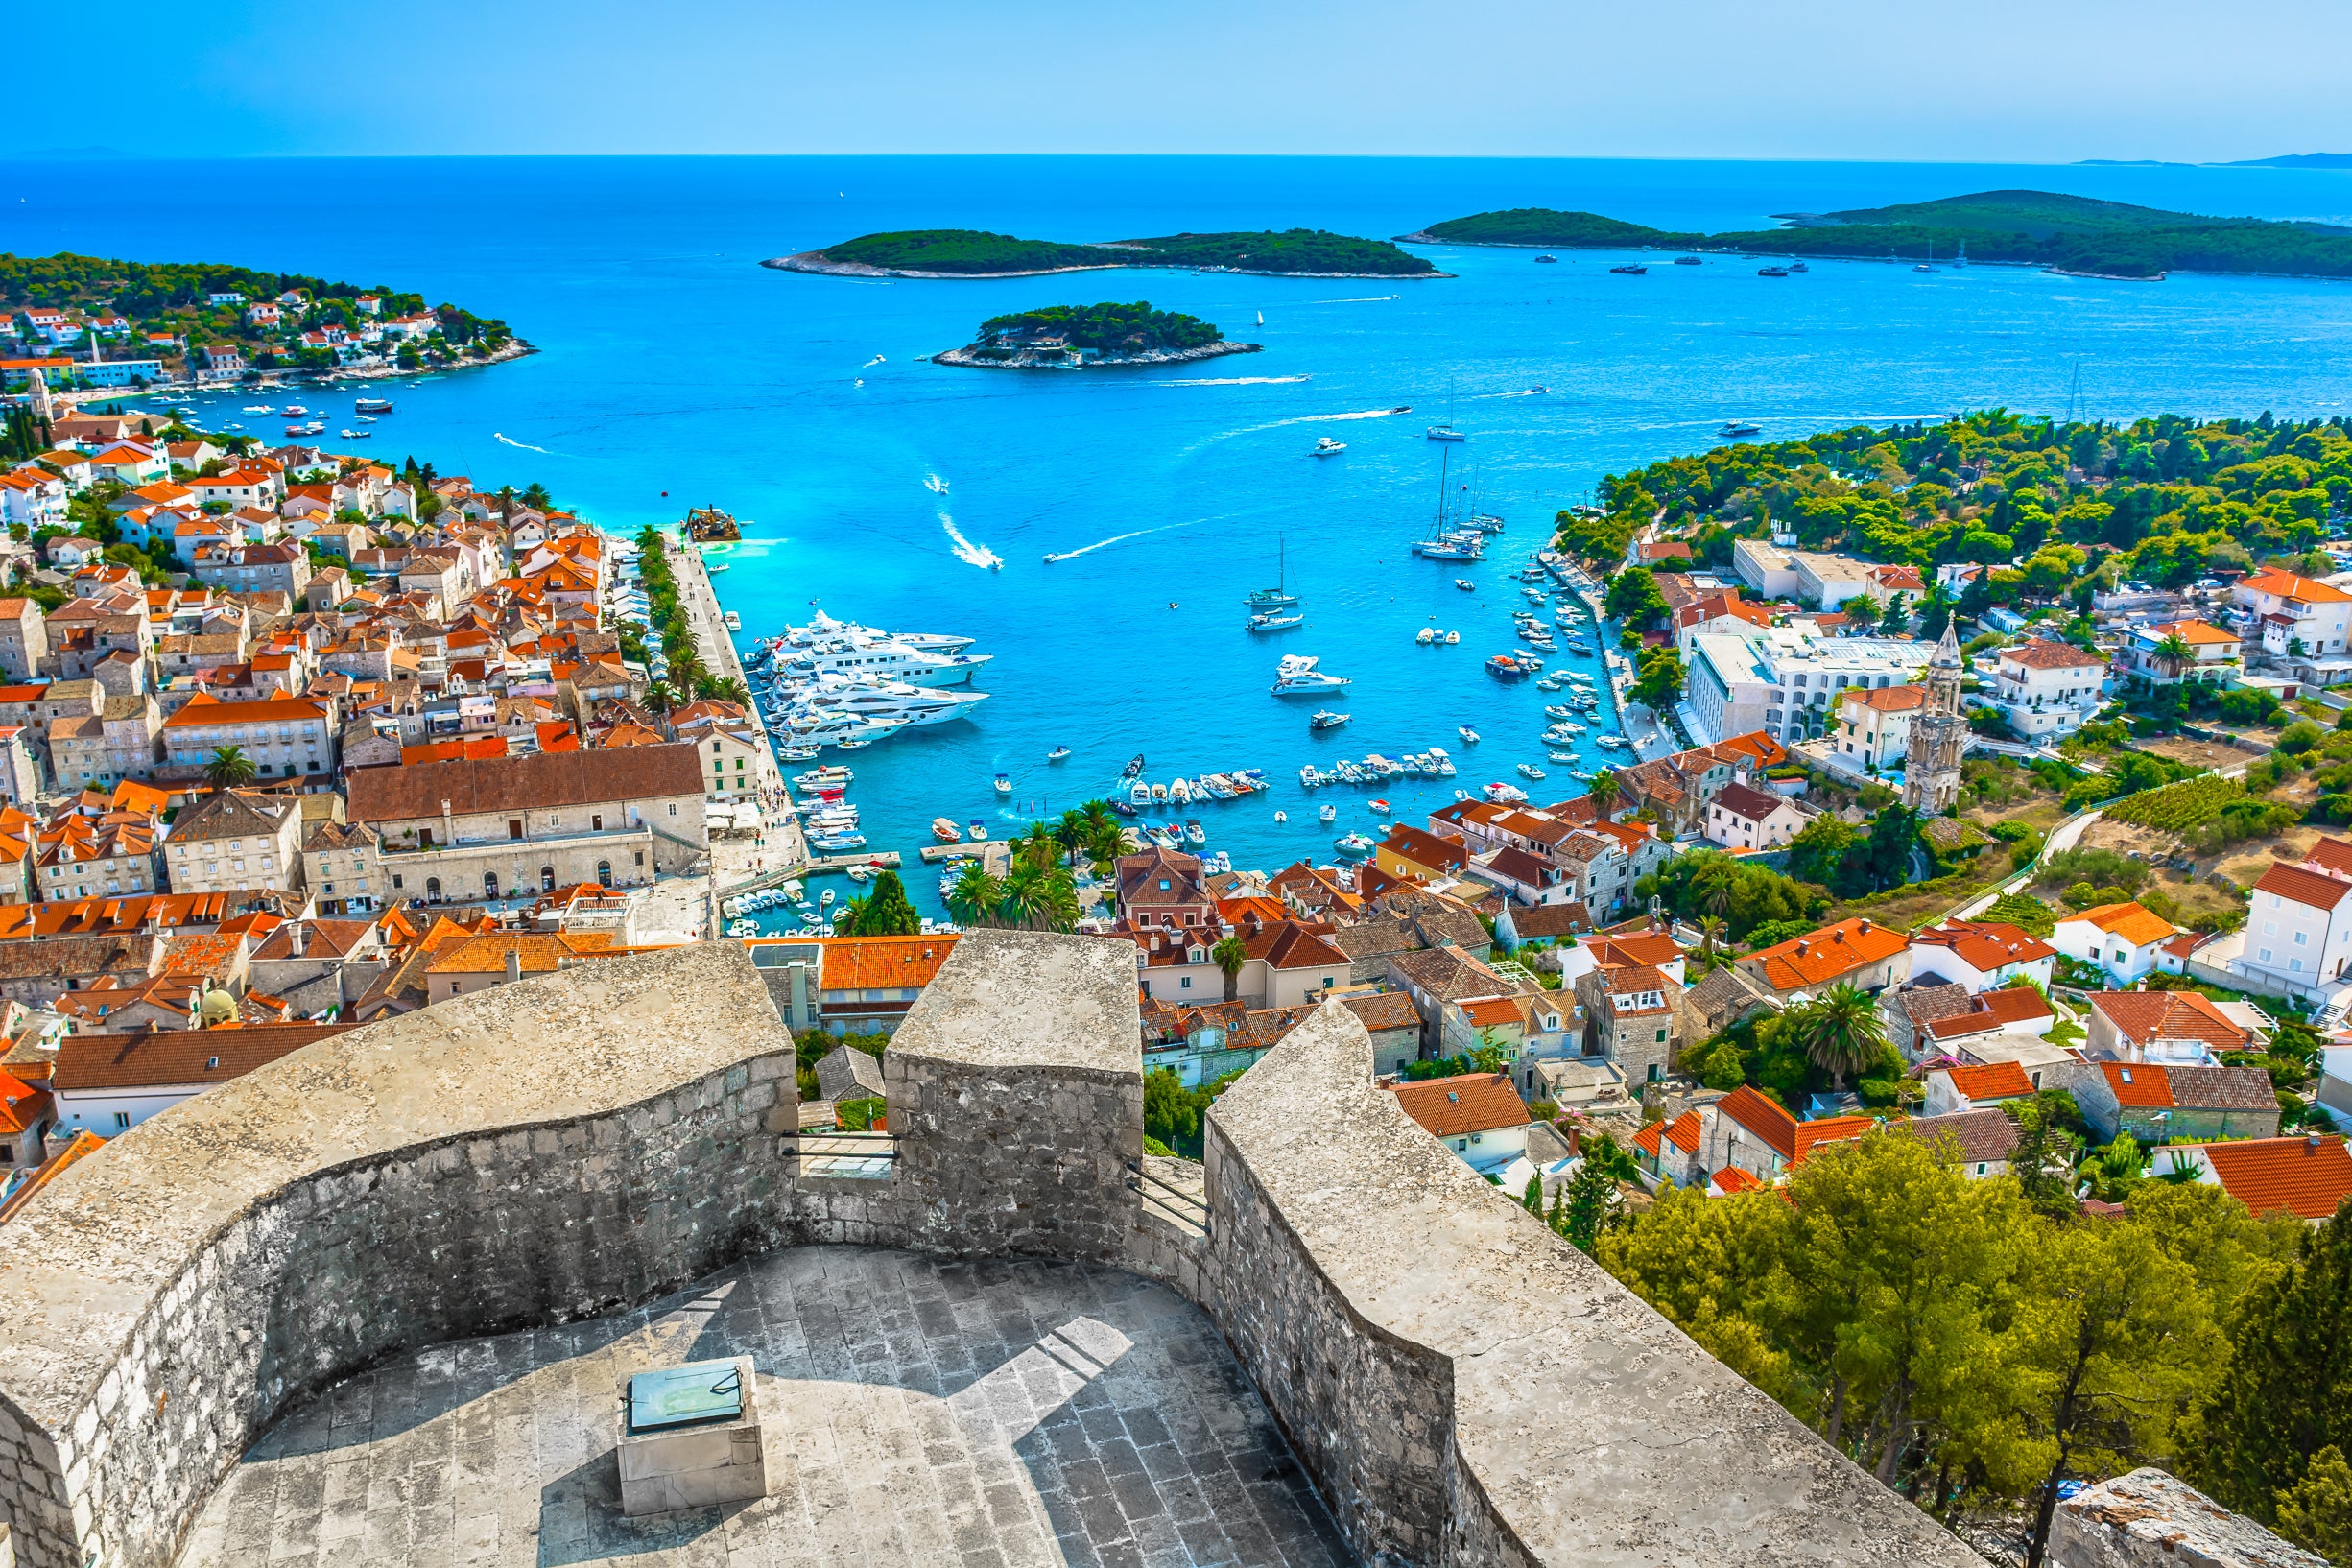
(1234, 381)
(935, 484)
(871, 363)
(970, 554)
(525, 445)
(1133, 533)
(1523, 391)
(1364, 300)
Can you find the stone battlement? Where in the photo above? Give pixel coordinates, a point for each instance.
(1461, 1384)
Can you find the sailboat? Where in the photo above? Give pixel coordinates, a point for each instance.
(1264, 601)
(1261, 318)
(1929, 264)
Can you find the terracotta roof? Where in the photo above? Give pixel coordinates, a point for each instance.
(1382, 1011)
(1473, 1102)
(1492, 1012)
(2150, 1086)
(1811, 1135)
(1424, 849)
(2310, 1176)
(1731, 1181)
(1985, 944)
(2332, 855)
(169, 1056)
(882, 963)
(2288, 585)
(2143, 1016)
(205, 709)
(1447, 973)
(539, 954)
(2299, 886)
(2004, 1081)
(80, 1147)
(1763, 1118)
(556, 778)
(1291, 945)
(1747, 802)
(1978, 1135)
(2043, 654)
(1991, 1010)
(2193, 632)
(21, 1104)
(2140, 927)
(1886, 698)
(1822, 956)
(1627, 952)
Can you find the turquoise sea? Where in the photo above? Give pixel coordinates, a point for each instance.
(676, 370)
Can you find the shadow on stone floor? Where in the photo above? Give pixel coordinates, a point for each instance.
(994, 1412)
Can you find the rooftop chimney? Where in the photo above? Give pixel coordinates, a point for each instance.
(1802, 946)
(1864, 925)
(514, 965)
(295, 938)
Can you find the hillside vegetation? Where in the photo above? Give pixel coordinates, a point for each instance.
(975, 253)
(1105, 326)
(2039, 227)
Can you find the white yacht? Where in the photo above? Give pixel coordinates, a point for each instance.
(871, 654)
(841, 699)
(821, 626)
(1297, 676)
(1327, 447)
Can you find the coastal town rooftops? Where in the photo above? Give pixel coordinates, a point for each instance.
(178, 1058)
(1633, 992)
(233, 814)
(2288, 585)
(2128, 923)
(2003, 1080)
(1763, 1117)
(2040, 653)
(1820, 957)
(1382, 1011)
(1985, 944)
(1886, 698)
(1973, 1136)
(1423, 848)
(1158, 876)
(1613, 951)
(2297, 886)
(881, 963)
(1449, 1108)
(2196, 633)
(532, 782)
(1684, 1132)
(2150, 1086)
(1989, 1012)
(2143, 1017)
(2330, 855)
(205, 709)
(2309, 1176)
(1747, 802)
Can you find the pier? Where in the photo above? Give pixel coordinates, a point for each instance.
(881, 860)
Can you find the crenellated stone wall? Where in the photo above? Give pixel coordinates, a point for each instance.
(529, 1155)
(1462, 1386)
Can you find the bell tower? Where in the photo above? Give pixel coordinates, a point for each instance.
(1938, 735)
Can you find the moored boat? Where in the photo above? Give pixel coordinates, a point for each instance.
(1004, 784)
(945, 830)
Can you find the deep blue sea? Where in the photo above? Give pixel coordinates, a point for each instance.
(676, 370)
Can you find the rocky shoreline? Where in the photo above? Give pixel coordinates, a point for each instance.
(1056, 359)
(818, 262)
(316, 380)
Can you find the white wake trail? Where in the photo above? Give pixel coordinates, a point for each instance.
(1366, 300)
(1235, 381)
(1137, 534)
(525, 445)
(970, 554)
(871, 363)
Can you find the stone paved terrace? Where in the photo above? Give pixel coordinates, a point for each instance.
(919, 1410)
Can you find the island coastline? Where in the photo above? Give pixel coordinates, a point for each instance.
(816, 261)
(971, 356)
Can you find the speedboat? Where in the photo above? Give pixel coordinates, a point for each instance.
(1465, 584)
(1559, 710)
(827, 897)
(1297, 676)
(1772, 272)
(1801, 267)
(1353, 843)
(1547, 258)
(945, 830)
(980, 831)
(1502, 794)
(1739, 427)
(356, 434)
(1503, 667)
(296, 411)
(1327, 447)
(1690, 261)
(1325, 719)
(1274, 621)
(1194, 832)
(1004, 784)
(1630, 270)
(1469, 736)
(1445, 432)
(1528, 770)
(1159, 795)
(1057, 754)
(1563, 758)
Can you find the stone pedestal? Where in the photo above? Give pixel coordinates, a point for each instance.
(696, 1465)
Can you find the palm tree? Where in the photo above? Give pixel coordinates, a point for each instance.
(1026, 896)
(660, 698)
(1602, 791)
(1230, 955)
(976, 896)
(1072, 830)
(2176, 651)
(1107, 844)
(731, 690)
(230, 769)
(1839, 1032)
(1100, 817)
(1038, 847)
(1710, 927)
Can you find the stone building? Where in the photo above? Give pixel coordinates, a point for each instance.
(24, 640)
(1938, 735)
(99, 750)
(341, 867)
(286, 737)
(236, 838)
(508, 827)
(1631, 1017)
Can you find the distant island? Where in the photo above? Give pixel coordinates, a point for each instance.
(971, 252)
(91, 321)
(2064, 233)
(1086, 337)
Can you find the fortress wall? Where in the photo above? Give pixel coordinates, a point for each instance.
(527, 1155)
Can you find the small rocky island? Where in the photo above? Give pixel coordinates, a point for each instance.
(1090, 337)
(967, 253)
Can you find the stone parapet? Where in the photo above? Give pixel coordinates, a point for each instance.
(530, 1155)
(1468, 1388)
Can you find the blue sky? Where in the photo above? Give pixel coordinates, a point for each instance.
(1989, 80)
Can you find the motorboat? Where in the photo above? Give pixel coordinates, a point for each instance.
(372, 405)
(1528, 770)
(296, 411)
(1801, 267)
(1465, 584)
(1004, 784)
(1425, 636)
(1739, 427)
(1445, 432)
(1452, 639)
(257, 407)
(1159, 795)
(1134, 766)
(1329, 813)
(1631, 270)
(1559, 710)
(1378, 808)
(1469, 736)
(861, 652)
(1327, 447)
(1274, 621)
(1690, 261)
(1179, 793)
(827, 897)
(945, 830)
(1325, 719)
(980, 831)
(1540, 259)
(1139, 794)
(1194, 832)
(1353, 843)
(731, 621)
(1563, 758)
(1505, 667)
(1297, 676)
(1772, 272)
(1060, 754)
(1502, 794)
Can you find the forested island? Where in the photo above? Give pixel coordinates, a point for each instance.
(2066, 233)
(1082, 337)
(968, 253)
(177, 316)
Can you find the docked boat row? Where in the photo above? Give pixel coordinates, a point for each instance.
(1376, 769)
(1231, 786)
(836, 683)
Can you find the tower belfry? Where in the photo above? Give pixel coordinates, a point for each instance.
(1938, 735)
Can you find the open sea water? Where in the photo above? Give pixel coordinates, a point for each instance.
(676, 371)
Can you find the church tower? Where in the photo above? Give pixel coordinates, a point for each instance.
(1938, 735)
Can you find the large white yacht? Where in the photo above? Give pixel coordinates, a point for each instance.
(821, 627)
(1297, 676)
(855, 699)
(862, 653)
